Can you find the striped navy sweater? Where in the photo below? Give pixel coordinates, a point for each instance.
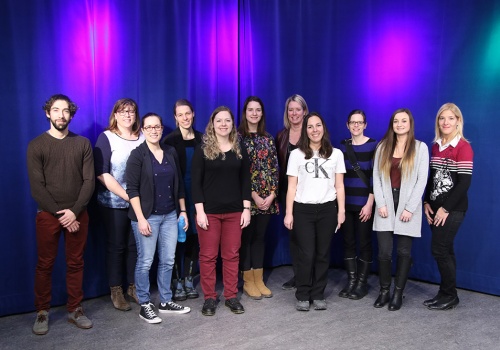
(356, 191)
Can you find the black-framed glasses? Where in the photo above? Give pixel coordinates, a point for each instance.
(356, 123)
(150, 128)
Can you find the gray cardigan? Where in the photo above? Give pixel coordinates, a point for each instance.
(410, 197)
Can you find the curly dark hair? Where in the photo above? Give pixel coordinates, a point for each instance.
(50, 102)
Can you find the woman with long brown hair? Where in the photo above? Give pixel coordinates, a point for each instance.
(261, 150)
(315, 208)
(399, 179)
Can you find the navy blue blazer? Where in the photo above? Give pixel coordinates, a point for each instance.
(139, 178)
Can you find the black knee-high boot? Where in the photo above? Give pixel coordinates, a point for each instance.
(384, 275)
(361, 287)
(350, 267)
(402, 270)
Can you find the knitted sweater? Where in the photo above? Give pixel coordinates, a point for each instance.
(61, 172)
(451, 174)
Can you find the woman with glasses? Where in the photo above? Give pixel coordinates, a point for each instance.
(111, 153)
(184, 139)
(156, 192)
(399, 179)
(261, 150)
(358, 156)
(222, 194)
(315, 208)
(286, 141)
(446, 198)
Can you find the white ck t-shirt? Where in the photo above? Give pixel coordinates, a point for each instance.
(316, 176)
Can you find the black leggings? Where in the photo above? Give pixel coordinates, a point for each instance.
(253, 242)
(386, 238)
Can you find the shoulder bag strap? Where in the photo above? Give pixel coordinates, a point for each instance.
(354, 162)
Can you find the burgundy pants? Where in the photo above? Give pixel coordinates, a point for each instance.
(48, 232)
(224, 231)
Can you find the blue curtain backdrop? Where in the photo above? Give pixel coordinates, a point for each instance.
(340, 55)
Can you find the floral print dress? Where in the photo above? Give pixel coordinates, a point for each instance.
(263, 168)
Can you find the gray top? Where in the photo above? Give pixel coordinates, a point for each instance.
(410, 197)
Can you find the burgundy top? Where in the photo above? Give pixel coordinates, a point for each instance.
(395, 173)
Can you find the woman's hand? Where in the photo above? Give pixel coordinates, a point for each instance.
(288, 221)
(366, 213)
(186, 221)
(267, 202)
(245, 218)
(440, 218)
(428, 213)
(340, 219)
(144, 227)
(202, 220)
(405, 216)
(382, 211)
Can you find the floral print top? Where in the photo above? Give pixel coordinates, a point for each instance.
(263, 168)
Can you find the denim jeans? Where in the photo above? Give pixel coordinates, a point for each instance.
(164, 234)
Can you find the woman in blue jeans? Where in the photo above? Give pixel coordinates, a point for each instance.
(156, 192)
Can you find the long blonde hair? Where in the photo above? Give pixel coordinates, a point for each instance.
(449, 106)
(387, 145)
(210, 144)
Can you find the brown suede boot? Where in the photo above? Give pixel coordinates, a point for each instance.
(249, 286)
(258, 275)
(132, 293)
(118, 299)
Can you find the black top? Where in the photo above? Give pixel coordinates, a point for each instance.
(175, 140)
(221, 185)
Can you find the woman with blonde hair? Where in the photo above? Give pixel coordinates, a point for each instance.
(446, 198)
(222, 194)
(399, 179)
(286, 141)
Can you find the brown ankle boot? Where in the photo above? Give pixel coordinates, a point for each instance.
(131, 292)
(249, 285)
(258, 275)
(118, 299)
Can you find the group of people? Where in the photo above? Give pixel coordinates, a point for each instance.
(189, 195)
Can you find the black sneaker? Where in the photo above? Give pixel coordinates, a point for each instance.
(209, 307)
(235, 306)
(172, 308)
(148, 313)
